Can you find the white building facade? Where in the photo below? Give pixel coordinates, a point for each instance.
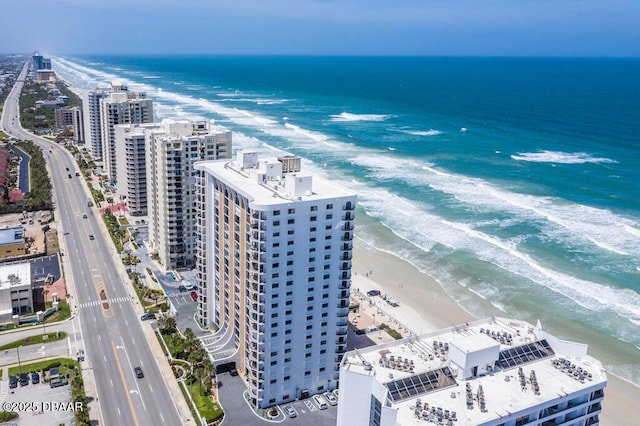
(120, 107)
(16, 291)
(495, 371)
(94, 98)
(131, 175)
(173, 147)
(274, 273)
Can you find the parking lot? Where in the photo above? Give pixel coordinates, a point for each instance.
(309, 412)
(38, 404)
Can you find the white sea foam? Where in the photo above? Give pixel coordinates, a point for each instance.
(430, 132)
(413, 221)
(151, 76)
(571, 221)
(347, 116)
(560, 157)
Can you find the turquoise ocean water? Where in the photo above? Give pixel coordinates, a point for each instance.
(513, 182)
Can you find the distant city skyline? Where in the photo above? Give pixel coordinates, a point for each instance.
(324, 27)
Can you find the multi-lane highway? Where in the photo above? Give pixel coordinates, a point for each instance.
(114, 341)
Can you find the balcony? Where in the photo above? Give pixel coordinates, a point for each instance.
(349, 206)
(348, 226)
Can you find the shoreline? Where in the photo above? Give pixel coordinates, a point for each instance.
(425, 306)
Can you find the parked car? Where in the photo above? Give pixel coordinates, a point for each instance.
(331, 398)
(35, 378)
(320, 401)
(139, 373)
(58, 381)
(182, 289)
(24, 379)
(194, 296)
(148, 316)
(372, 293)
(291, 412)
(233, 371)
(13, 382)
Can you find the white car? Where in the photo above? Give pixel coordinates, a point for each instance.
(331, 398)
(291, 412)
(322, 403)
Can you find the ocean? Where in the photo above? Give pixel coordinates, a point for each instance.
(511, 181)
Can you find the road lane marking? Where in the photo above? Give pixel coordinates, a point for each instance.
(126, 354)
(111, 382)
(162, 417)
(115, 353)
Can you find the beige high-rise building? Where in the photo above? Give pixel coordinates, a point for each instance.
(274, 274)
(120, 107)
(172, 150)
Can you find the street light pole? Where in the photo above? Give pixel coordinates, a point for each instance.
(19, 365)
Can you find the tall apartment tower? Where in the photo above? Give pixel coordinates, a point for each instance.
(77, 121)
(39, 62)
(172, 148)
(130, 147)
(94, 98)
(120, 107)
(274, 273)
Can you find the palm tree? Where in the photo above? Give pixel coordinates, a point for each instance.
(191, 341)
(168, 325)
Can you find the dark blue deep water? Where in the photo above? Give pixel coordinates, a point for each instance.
(513, 182)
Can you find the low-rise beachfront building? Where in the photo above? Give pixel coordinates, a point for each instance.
(274, 274)
(12, 242)
(16, 291)
(494, 371)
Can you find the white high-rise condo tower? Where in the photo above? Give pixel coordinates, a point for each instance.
(274, 273)
(120, 107)
(172, 148)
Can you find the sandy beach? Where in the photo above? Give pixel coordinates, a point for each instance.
(424, 306)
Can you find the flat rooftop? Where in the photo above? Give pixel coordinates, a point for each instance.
(532, 367)
(249, 181)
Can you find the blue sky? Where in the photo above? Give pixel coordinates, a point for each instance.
(369, 27)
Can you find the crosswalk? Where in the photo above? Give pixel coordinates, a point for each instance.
(4, 390)
(99, 302)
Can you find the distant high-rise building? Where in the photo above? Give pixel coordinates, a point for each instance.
(274, 273)
(491, 372)
(94, 98)
(132, 166)
(172, 150)
(39, 62)
(78, 125)
(120, 107)
(63, 117)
